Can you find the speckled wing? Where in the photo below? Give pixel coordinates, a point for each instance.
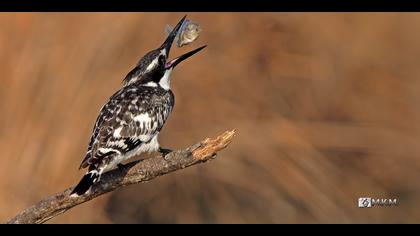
(132, 116)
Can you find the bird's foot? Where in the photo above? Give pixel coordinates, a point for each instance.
(165, 151)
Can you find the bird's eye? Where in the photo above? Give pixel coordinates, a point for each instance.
(161, 59)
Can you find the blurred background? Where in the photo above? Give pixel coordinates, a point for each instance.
(326, 108)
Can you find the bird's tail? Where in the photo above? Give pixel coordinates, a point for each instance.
(86, 182)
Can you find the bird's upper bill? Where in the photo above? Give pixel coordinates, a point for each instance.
(168, 43)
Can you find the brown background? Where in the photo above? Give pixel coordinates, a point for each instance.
(326, 108)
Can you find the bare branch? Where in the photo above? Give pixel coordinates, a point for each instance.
(132, 173)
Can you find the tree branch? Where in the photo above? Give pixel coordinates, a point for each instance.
(132, 173)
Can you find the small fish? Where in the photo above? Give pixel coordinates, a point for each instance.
(187, 34)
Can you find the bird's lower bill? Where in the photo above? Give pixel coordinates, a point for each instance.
(172, 63)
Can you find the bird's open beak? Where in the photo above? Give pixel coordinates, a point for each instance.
(172, 63)
(168, 43)
(171, 37)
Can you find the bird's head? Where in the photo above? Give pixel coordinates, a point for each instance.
(154, 68)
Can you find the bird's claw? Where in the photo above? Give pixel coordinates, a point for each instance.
(165, 151)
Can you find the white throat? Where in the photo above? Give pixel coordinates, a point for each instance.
(165, 82)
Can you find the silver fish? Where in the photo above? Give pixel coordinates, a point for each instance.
(187, 34)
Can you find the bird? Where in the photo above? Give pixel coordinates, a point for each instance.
(131, 120)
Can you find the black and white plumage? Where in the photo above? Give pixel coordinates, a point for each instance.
(129, 123)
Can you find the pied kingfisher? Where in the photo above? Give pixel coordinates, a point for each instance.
(130, 122)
